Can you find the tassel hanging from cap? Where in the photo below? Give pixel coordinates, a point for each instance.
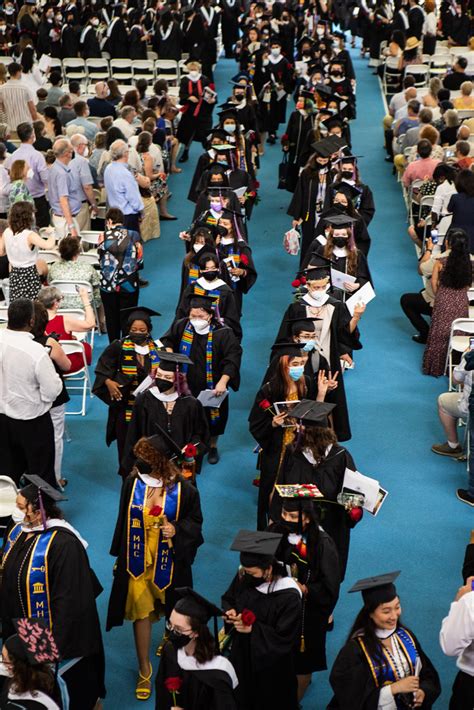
(302, 644)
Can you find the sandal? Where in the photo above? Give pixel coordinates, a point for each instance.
(143, 688)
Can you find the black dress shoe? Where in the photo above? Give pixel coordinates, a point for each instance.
(419, 339)
(213, 455)
(167, 218)
(184, 158)
(143, 283)
(388, 159)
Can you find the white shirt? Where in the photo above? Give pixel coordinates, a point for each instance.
(442, 195)
(457, 633)
(127, 128)
(29, 383)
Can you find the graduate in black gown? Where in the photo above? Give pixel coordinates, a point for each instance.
(379, 664)
(88, 41)
(216, 355)
(217, 197)
(138, 37)
(241, 101)
(198, 237)
(47, 575)
(312, 558)
(236, 258)
(157, 534)
(263, 615)
(282, 84)
(301, 123)
(168, 404)
(349, 173)
(117, 35)
(123, 366)
(341, 204)
(217, 137)
(167, 39)
(231, 10)
(316, 458)
(197, 99)
(206, 679)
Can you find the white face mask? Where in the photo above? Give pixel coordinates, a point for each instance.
(320, 297)
(18, 515)
(319, 32)
(198, 247)
(275, 51)
(265, 62)
(194, 75)
(30, 174)
(86, 151)
(199, 324)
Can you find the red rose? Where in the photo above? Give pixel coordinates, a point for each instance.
(190, 451)
(248, 617)
(257, 184)
(355, 514)
(244, 259)
(285, 137)
(303, 280)
(156, 510)
(265, 404)
(173, 683)
(256, 482)
(296, 283)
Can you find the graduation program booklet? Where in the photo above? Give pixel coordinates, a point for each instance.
(208, 398)
(338, 279)
(285, 408)
(363, 295)
(374, 495)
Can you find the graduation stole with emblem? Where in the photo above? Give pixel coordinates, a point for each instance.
(137, 537)
(386, 673)
(37, 583)
(185, 349)
(129, 368)
(193, 273)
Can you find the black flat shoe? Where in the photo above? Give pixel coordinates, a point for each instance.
(184, 158)
(388, 159)
(419, 339)
(143, 283)
(167, 218)
(213, 456)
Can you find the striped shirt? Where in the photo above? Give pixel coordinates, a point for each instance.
(14, 97)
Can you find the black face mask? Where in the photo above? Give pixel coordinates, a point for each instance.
(252, 582)
(290, 526)
(239, 96)
(340, 206)
(178, 640)
(143, 466)
(138, 338)
(339, 242)
(210, 275)
(347, 174)
(163, 385)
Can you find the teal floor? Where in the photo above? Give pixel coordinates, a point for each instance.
(422, 528)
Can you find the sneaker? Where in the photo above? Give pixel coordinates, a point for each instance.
(213, 456)
(447, 450)
(465, 497)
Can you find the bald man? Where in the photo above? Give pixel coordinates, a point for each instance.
(99, 105)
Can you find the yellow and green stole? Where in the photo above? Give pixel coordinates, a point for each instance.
(129, 368)
(137, 538)
(185, 349)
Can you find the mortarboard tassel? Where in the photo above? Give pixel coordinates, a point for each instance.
(42, 511)
(177, 383)
(302, 644)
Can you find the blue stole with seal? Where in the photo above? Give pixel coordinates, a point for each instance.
(136, 535)
(13, 536)
(382, 668)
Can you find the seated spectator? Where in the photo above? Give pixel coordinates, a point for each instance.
(64, 325)
(466, 100)
(20, 172)
(55, 92)
(68, 268)
(411, 137)
(423, 168)
(100, 105)
(4, 193)
(454, 79)
(430, 134)
(5, 138)
(106, 123)
(463, 159)
(444, 176)
(41, 99)
(115, 96)
(411, 53)
(82, 113)
(66, 111)
(160, 87)
(448, 134)
(74, 89)
(141, 86)
(461, 205)
(52, 125)
(132, 98)
(451, 407)
(42, 142)
(125, 122)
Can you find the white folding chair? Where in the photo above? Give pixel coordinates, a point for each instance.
(420, 73)
(90, 237)
(81, 376)
(391, 76)
(168, 69)
(412, 191)
(439, 63)
(470, 296)
(75, 68)
(97, 70)
(78, 314)
(464, 113)
(143, 69)
(458, 343)
(152, 55)
(6, 60)
(69, 288)
(121, 70)
(89, 257)
(50, 256)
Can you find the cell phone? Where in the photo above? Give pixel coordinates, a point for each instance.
(450, 153)
(471, 343)
(78, 288)
(434, 236)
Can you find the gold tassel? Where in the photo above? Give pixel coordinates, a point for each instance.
(302, 644)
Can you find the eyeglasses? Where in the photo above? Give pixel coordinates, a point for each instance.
(170, 627)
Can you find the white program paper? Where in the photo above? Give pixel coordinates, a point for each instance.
(44, 63)
(338, 279)
(369, 487)
(240, 191)
(208, 398)
(364, 295)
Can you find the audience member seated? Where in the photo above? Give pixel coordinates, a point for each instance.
(100, 105)
(461, 205)
(451, 407)
(463, 159)
(70, 269)
(465, 102)
(453, 80)
(423, 168)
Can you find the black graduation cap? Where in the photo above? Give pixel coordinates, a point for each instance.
(337, 143)
(163, 442)
(340, 221)
(299, 324)
(256, 547)
(323, 90)
(164, 11)
(275, 40)
(304, 39)
(229, 110)
(350, 158)
(33, 642)
(187, 10)
(307, 94)
(319, 267)
(289, 349)
(192, 604)
(173, 361)
(218, 133)
(323, 148)
(350, 191)
(333, 122)
(38, 487)
(139, 313)
(206, 302)
(238, 78)
(311, 413)
(214, 229)
(377, 590)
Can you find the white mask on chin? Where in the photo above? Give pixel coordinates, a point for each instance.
(384, 633)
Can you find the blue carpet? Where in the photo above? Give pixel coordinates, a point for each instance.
(422, 528)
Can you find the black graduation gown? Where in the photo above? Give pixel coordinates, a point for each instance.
(117, 43)
(270, 439)
(230, 24)
(364, 203)
(304, 205)
(362, 275)
(43, 45)
(228, 309)
(361, 235)
(354, 687)
(90, 46)
(185, 545)
(202, 165)
(459, 29)
(321, 576)
(264, 658)
(245, 283)
(281, 73)
(70, 41)
(193, 36)
(171, 47)
(209, 689)
(187, 423)
(298, 129)
(203, 204)
(138, 48)
(194, 127)
(416, 19)
(73, 588)
(328, 475)
(26, 704)
(226, 356)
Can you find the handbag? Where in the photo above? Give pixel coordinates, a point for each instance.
(283, 169)
(291, 242)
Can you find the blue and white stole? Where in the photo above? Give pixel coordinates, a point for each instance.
(382, 668)
(37, 583)
(137, 536)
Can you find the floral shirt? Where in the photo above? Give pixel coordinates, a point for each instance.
(19, 193)
(75, 271)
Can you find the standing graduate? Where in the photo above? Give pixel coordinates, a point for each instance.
(236, 258)
(123, 366)
(47, 575)
(168, 404)
(263, 616)
(215, 353)
(200, 236)
(312, 557)
(341, 203)
(157, 534)
(317, 459)
(379, 666)
(300, 125)
(138, 36)
(282, 82)
(88, 41)
(206, 679)
(117, 44)
(349, 173)
(231, 10)
(197, 99)
(216, 138)
(167, 38)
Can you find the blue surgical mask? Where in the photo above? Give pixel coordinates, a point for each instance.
(309, 345)
(296, 372)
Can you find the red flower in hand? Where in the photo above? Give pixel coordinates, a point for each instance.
(355, 514)
(173, 683)
(244, 259)
(190, 451)
(248, 617)
(257, 184)
(156, 510)
(256, 482)
(296, 283)
(303, 280)
(285, 137)
(264, 404)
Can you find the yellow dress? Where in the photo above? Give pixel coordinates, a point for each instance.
(289, 433)
(144, 599)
